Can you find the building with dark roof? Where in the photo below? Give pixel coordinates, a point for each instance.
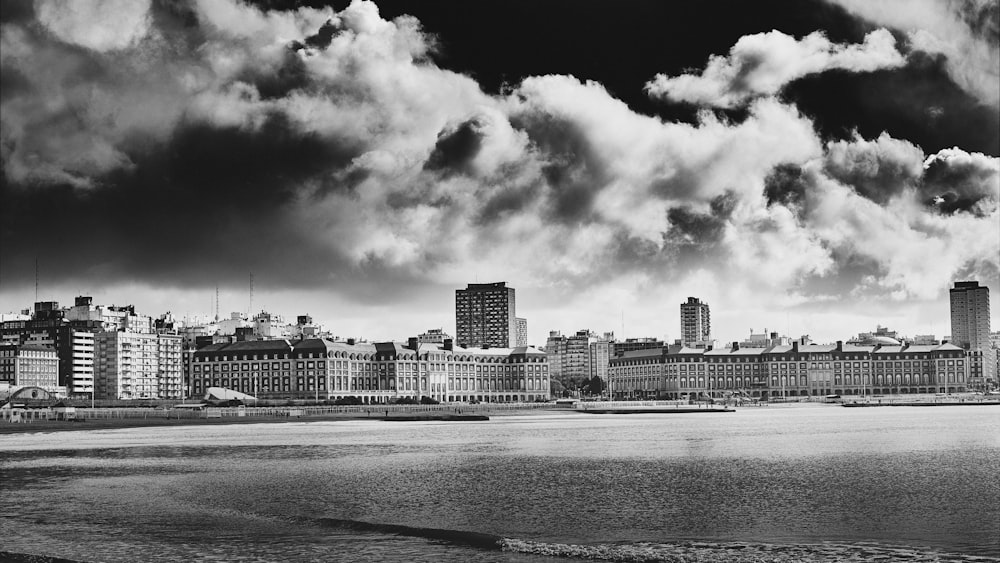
(797, 370)
(374, 372)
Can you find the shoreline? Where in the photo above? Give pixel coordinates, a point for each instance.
(47, 426)
(438, 415)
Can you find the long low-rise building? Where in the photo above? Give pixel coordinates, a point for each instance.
(30, 365)
(677, 372)
(374, 372)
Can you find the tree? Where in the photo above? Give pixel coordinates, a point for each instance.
(556, 388)
(596, 385)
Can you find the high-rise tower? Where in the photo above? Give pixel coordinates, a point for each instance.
(970, 329)
(696, 322)
(485, 315)
(970, 315)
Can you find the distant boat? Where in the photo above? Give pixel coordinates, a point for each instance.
(832, 399)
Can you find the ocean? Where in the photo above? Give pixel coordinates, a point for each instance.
(781, 483)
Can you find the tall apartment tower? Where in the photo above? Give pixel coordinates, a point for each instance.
(970, 328)
(970, 315)
(696, 322)
(485, 316)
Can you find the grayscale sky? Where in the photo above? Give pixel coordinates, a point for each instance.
(806, 167)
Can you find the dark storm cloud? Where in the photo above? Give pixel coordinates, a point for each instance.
(691, 227)
(955, 181)
(573, 171)
(212, 204)
(290, 75)
(16, 11)
(223, 139)
(322, 38)
(878, 169)
(983, 18)
(456, 148)
(786, 185)
(503, 200)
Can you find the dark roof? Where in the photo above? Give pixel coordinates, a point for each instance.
(246, 346)
(311, 344)
(36, 348)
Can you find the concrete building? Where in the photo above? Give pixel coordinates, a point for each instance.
(132, 365)
(485, 315)
(236, 320)
(970, 326)
(696, 322)
(579, 357)
(601, 351)
(72, 340)
(632, 344)
(434, 336)
(374, 372)
(304, 327)
(169, 366)
(521, 331)
(797, 370)
(268, 326)
(764, 340)
(30, 365)
(112, 317)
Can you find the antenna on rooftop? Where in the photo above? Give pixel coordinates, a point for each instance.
(216, 302)
(250, 312)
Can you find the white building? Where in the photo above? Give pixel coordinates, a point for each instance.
(134, 365)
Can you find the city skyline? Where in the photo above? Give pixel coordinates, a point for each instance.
(810, 168)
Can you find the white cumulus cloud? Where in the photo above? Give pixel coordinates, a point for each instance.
(763, 63)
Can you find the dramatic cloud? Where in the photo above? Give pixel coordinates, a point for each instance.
(327, 151)
(101, 25)
(877, 169)
(967, 32)
(762, 64)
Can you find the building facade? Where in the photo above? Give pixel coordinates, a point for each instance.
(485, 315)
(72, 340)
(970, 326)
(630, 344)
(696, 322)
(377, 373)
(521, 331)
(133, 365)
(30, 365)
(434, 336)
(798, 370)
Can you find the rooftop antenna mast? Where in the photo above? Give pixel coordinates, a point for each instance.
(216, 302)
(250, 313)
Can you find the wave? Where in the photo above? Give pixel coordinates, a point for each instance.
(672, 552)
(11, 557)
(459, 537)
(705, 552)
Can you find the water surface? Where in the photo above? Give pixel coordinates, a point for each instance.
(819, 483)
